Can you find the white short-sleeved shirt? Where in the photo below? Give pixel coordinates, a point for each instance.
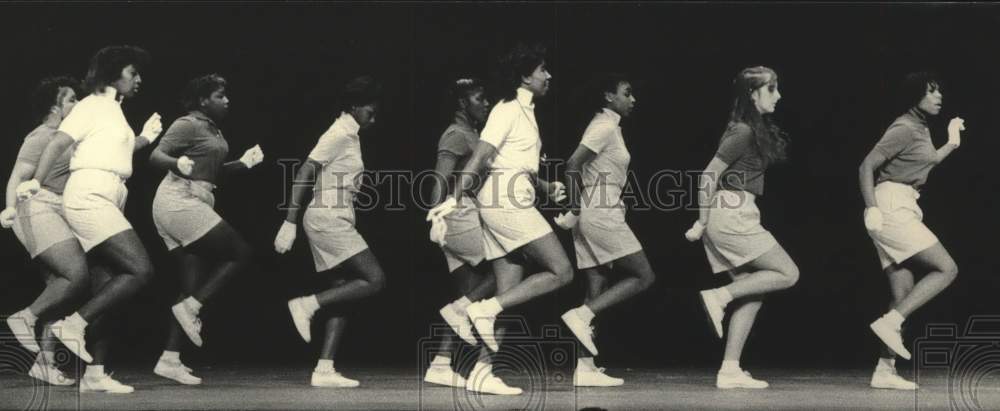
(512, 129)
(339, 151)
(104, 140)
(604, 137)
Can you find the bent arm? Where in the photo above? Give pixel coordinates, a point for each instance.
(708, 184)
(301, 187)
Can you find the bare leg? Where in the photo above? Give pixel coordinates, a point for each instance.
(596, 284)
(773, 271)
(335, 326)
(190, 271)
(941, 272)
(638, 277)
(370, 280)
(65, 267)
(900, 284)
(224, 245)
(557, 272)
(127, 258)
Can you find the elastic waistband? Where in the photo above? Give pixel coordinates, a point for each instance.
(898, 187)
(96, 172)
(205, 185)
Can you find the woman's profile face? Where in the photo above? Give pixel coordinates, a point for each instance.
(365, 115)
(932, 101)
(128, 84)
(538, 81)
(622, 101)
(477, 106)
(216, 105)
(766, 97)
(66, 101)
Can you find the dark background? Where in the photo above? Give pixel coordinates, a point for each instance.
(837, 65)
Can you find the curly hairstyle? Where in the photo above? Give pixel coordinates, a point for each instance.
(200, 88)
(107, 64)
(463, 88)
(46, 94)
(360, 91)
(519, 62)
(770, 141)
(603, 83)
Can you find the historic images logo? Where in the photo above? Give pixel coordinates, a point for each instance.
(959, 370)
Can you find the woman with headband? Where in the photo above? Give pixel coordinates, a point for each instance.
(890, 177)
(729, 220)
(95, 193)
(510, 148)
(207, 251)
(462, 239)
(40, 225)
(596, 173)
(335, 165)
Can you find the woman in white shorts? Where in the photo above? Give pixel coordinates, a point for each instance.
(335, 165)
(890, 177)
(510, 148)
(40, 226)
(604, 243)
(207, 251)
(734, 240)
(95, 193)
(462, 242)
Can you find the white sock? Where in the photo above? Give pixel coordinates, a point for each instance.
(76, 318)
(889, 363)
(586, 362)
(94, 371)
(461, 303)
(193, 303)
(441, 360)
(585, 313)
(479, 367)
(730, 366)
(311, 303)
(895, 318)
(29, 316)
(492, 306)
(46, 357)
(724, 296)
(324, 365)
(172, 356)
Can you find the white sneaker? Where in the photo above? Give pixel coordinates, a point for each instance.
(301, 317)
(484, 324)
(888, 378)
(189, 321)
(890, 336)
(581, 329)
(444, 375)
(72, 335)
(591, 377)
(50, 374)
(483, 381)
(175, 370)
(23, 330)
(738, 379)
(459, 323)
(103, 383)
(332, 379)
(715, 310)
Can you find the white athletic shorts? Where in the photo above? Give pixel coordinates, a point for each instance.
(183, 210)
(734, 236)
(464, 240)
(903, 232)
(329, 225)
(93, 201)
(41, 223)
(601, 235)
(507, 209)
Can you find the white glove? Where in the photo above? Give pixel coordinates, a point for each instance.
(873, 219)
(286, 237)
(567, 220)
(443, 209)
(152, 128)
(439, 229)
(27, 189)
(955, 128)
(557, 191)
(252, 156)
(694, 233)
(185, 165)
(7, 217)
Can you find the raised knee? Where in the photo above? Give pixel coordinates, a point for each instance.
(243, 253)
(377, 283)
(564, 273)
(791, 276)
(950, 270)
(144, 274)
(646, 280)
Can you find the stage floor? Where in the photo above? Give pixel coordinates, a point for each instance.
(400, 389)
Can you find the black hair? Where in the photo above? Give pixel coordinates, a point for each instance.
(519, 62)
(200, 88)
(46, 94)
(107, 64)
(913, 88)
(463, 88)
(360, 91)
(603, 83)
